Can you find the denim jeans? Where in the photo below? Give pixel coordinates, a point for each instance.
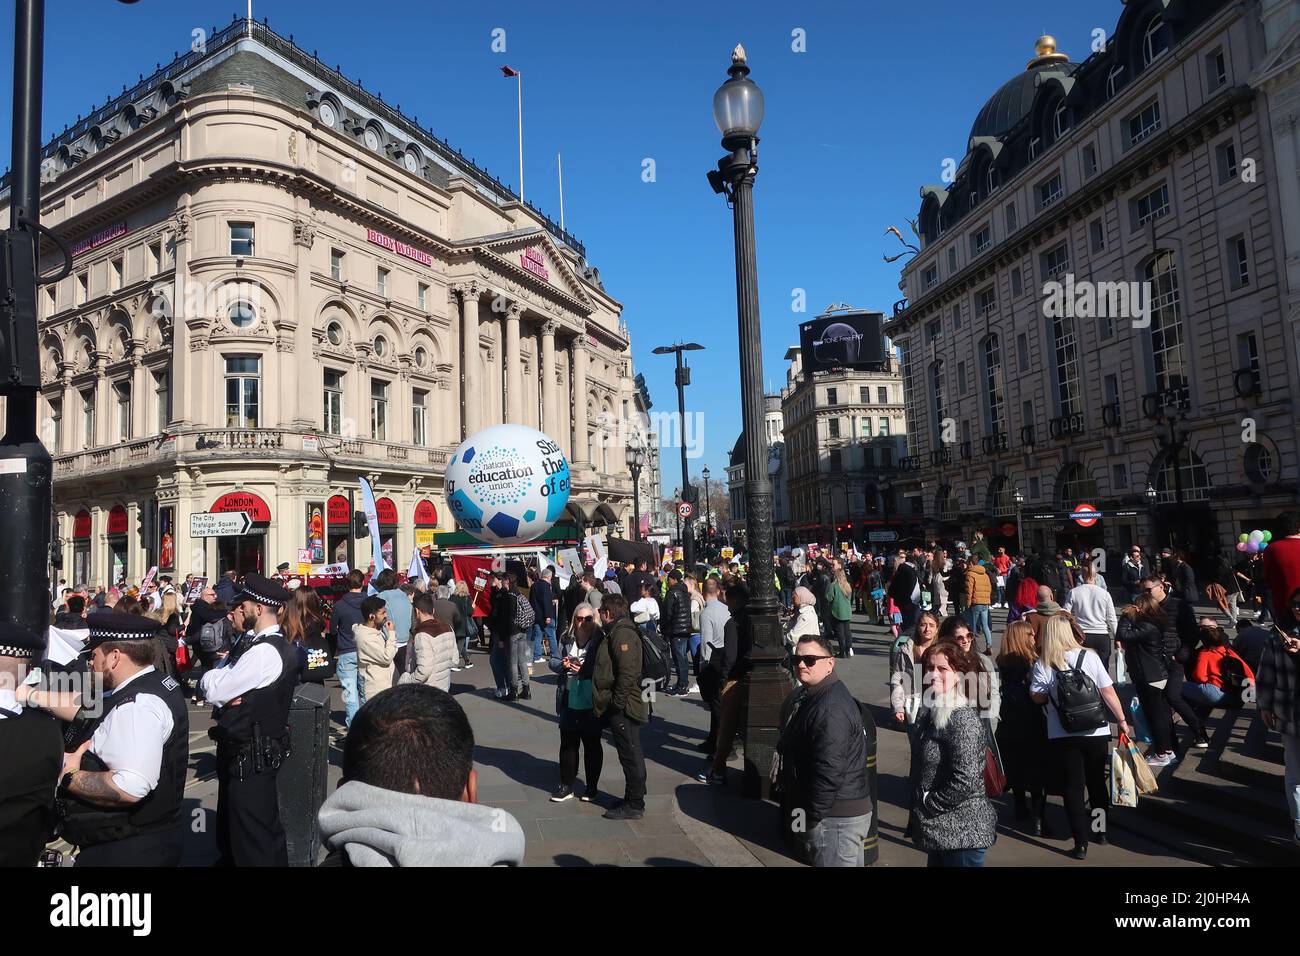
(977, 616)
(540, 630)
(956, 858)
(499, 658)
(837, 841)
(346, 672)
(787, 595)
(1202, 695)
(521, 660)
(681, 658)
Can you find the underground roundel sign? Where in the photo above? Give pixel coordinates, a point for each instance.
(1085, 516)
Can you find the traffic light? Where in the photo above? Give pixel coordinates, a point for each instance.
(146, 516)
(360, 527)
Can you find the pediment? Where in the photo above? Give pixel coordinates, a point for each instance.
(535, 252)
(1285, 57)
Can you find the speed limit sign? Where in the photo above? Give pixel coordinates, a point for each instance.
(684, 510)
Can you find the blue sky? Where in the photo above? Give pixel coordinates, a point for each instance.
(854, 126)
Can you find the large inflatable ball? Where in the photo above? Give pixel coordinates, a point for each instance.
(507, 484)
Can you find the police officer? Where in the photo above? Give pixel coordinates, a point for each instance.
(123, 778)
(32, 749)
(252, 691)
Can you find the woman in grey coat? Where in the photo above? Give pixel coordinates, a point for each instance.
(952, 818)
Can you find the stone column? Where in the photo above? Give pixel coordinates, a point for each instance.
(71, 418)
(578, 345)
(301, 403)
(141, 423)
(471, 396)
(186, 390)
(513, 367)
(105, 407)
(546, 376)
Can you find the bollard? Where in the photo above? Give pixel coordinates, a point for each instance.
(301, 780)
(871, 843)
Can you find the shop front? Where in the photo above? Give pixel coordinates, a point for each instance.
(338, 528)
(115, 532)
(245, 552)
(426, 524)
(386, 512)
(81, 548)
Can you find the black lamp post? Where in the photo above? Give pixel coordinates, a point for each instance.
(635, 455)
(708, 515)
(1151, 496)
(738, 111)
(1020, 504)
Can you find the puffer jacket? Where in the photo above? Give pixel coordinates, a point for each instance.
(1144, 652)
(905, 683)
(675, 620)
(804, 625)
(824, 754)
(430, 655)
(950, 810)
(979, 589)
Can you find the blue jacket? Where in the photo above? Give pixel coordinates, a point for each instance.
(542, 599)
(399, 612)
(225, 589)
(347, 612)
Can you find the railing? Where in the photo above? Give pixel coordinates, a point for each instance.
(1027, 435)
(240, 440)
(910, 463)
(996, 442)
(965, 450)
(1063, 426)
(1246, 382)
(1110, 415)
(941, 456)
(1175, 398)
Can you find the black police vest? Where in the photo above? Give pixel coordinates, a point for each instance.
(266, 707)
(85, 824)
(31, 754)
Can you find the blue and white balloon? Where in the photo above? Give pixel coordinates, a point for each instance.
(507, 484)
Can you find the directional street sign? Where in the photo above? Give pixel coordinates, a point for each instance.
(685, 510)
(220, 524)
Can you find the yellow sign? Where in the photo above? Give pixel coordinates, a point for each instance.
(424, 537)
(679, 554)
(728, 553)
(304, 569)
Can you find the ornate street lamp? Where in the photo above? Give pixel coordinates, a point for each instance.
(708, 515)
(635, 462)
(738, 111)
(1152, 496)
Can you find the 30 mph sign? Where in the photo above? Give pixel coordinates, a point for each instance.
(219, 524)
(685, 510)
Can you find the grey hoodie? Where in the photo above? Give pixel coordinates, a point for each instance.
(385, 828)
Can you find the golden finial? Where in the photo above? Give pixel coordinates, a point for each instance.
(1045, 52)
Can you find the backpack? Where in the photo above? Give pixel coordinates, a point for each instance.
(524, 616)
(655, 655)
(214, 637)
(1078, 702)
(1233, 674)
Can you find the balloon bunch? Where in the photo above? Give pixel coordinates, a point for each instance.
(1255, 542)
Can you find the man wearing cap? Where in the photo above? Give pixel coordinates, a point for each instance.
(123, 780)
(282, 572)
(32, 745)
(252, 691)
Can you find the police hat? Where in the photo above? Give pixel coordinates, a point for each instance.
(263, 591)
(18, 641)
(109, 626)
(284, 566)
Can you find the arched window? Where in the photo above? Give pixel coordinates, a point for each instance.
(1191, 473)
(1167, 350)
(1003, 497)
(993, 393)
(1155, 40)
(1114, 80)
(946, 503)
(991, 179)
(1060, 121)
(1075, 486)
(1066, 343)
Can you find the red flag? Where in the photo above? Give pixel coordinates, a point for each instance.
(476, 572)
(509, 72)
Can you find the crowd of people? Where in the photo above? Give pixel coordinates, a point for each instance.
(982, 712)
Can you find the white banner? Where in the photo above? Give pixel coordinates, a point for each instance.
(372, 522)
(330, 570)
(417, 570)
(567, 564)
(595, 544)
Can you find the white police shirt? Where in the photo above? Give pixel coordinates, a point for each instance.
(130, 740)
(259, 666)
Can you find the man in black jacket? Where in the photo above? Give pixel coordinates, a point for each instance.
(675, 624)
(732, 665)
(1180, 634)
(904, 588)
(823, 762)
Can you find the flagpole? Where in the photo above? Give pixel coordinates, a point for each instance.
(250, 17)
(519, 77)
(560, 163)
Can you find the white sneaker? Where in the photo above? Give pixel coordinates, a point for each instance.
(540, 660)
(850, 652)
(693, 689)
(1161, 760)
(498, 694)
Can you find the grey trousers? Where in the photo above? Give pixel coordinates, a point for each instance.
(837, 841)
(521, 660)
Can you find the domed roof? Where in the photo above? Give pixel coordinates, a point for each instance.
(738, 450)
(1015, 98)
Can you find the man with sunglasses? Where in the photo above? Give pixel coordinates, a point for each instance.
(822, 758)
(1132, 570)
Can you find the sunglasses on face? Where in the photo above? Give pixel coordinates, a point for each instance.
(585, 617)
(1149, 590)
(808, 660)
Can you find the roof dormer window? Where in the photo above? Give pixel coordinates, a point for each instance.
(1155, 40)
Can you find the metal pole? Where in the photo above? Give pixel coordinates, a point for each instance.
(519, 76)
(688, 545)
(26, 480)
(708, 517)
(1175, 448)
(636, 503)
(352, 523)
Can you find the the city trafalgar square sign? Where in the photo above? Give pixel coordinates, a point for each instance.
(220, 524)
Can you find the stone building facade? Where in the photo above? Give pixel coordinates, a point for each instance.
(280, 284)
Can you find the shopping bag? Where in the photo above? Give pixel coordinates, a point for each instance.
(1143, 778)
(1121, 670)
(995, 777)
(1141, 729)
(1123, 788)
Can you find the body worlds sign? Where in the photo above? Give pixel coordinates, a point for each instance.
(399, 247)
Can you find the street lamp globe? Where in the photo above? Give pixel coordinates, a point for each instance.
(1151, 493)
(738, 104)
(705, 473)
(1020, 498)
